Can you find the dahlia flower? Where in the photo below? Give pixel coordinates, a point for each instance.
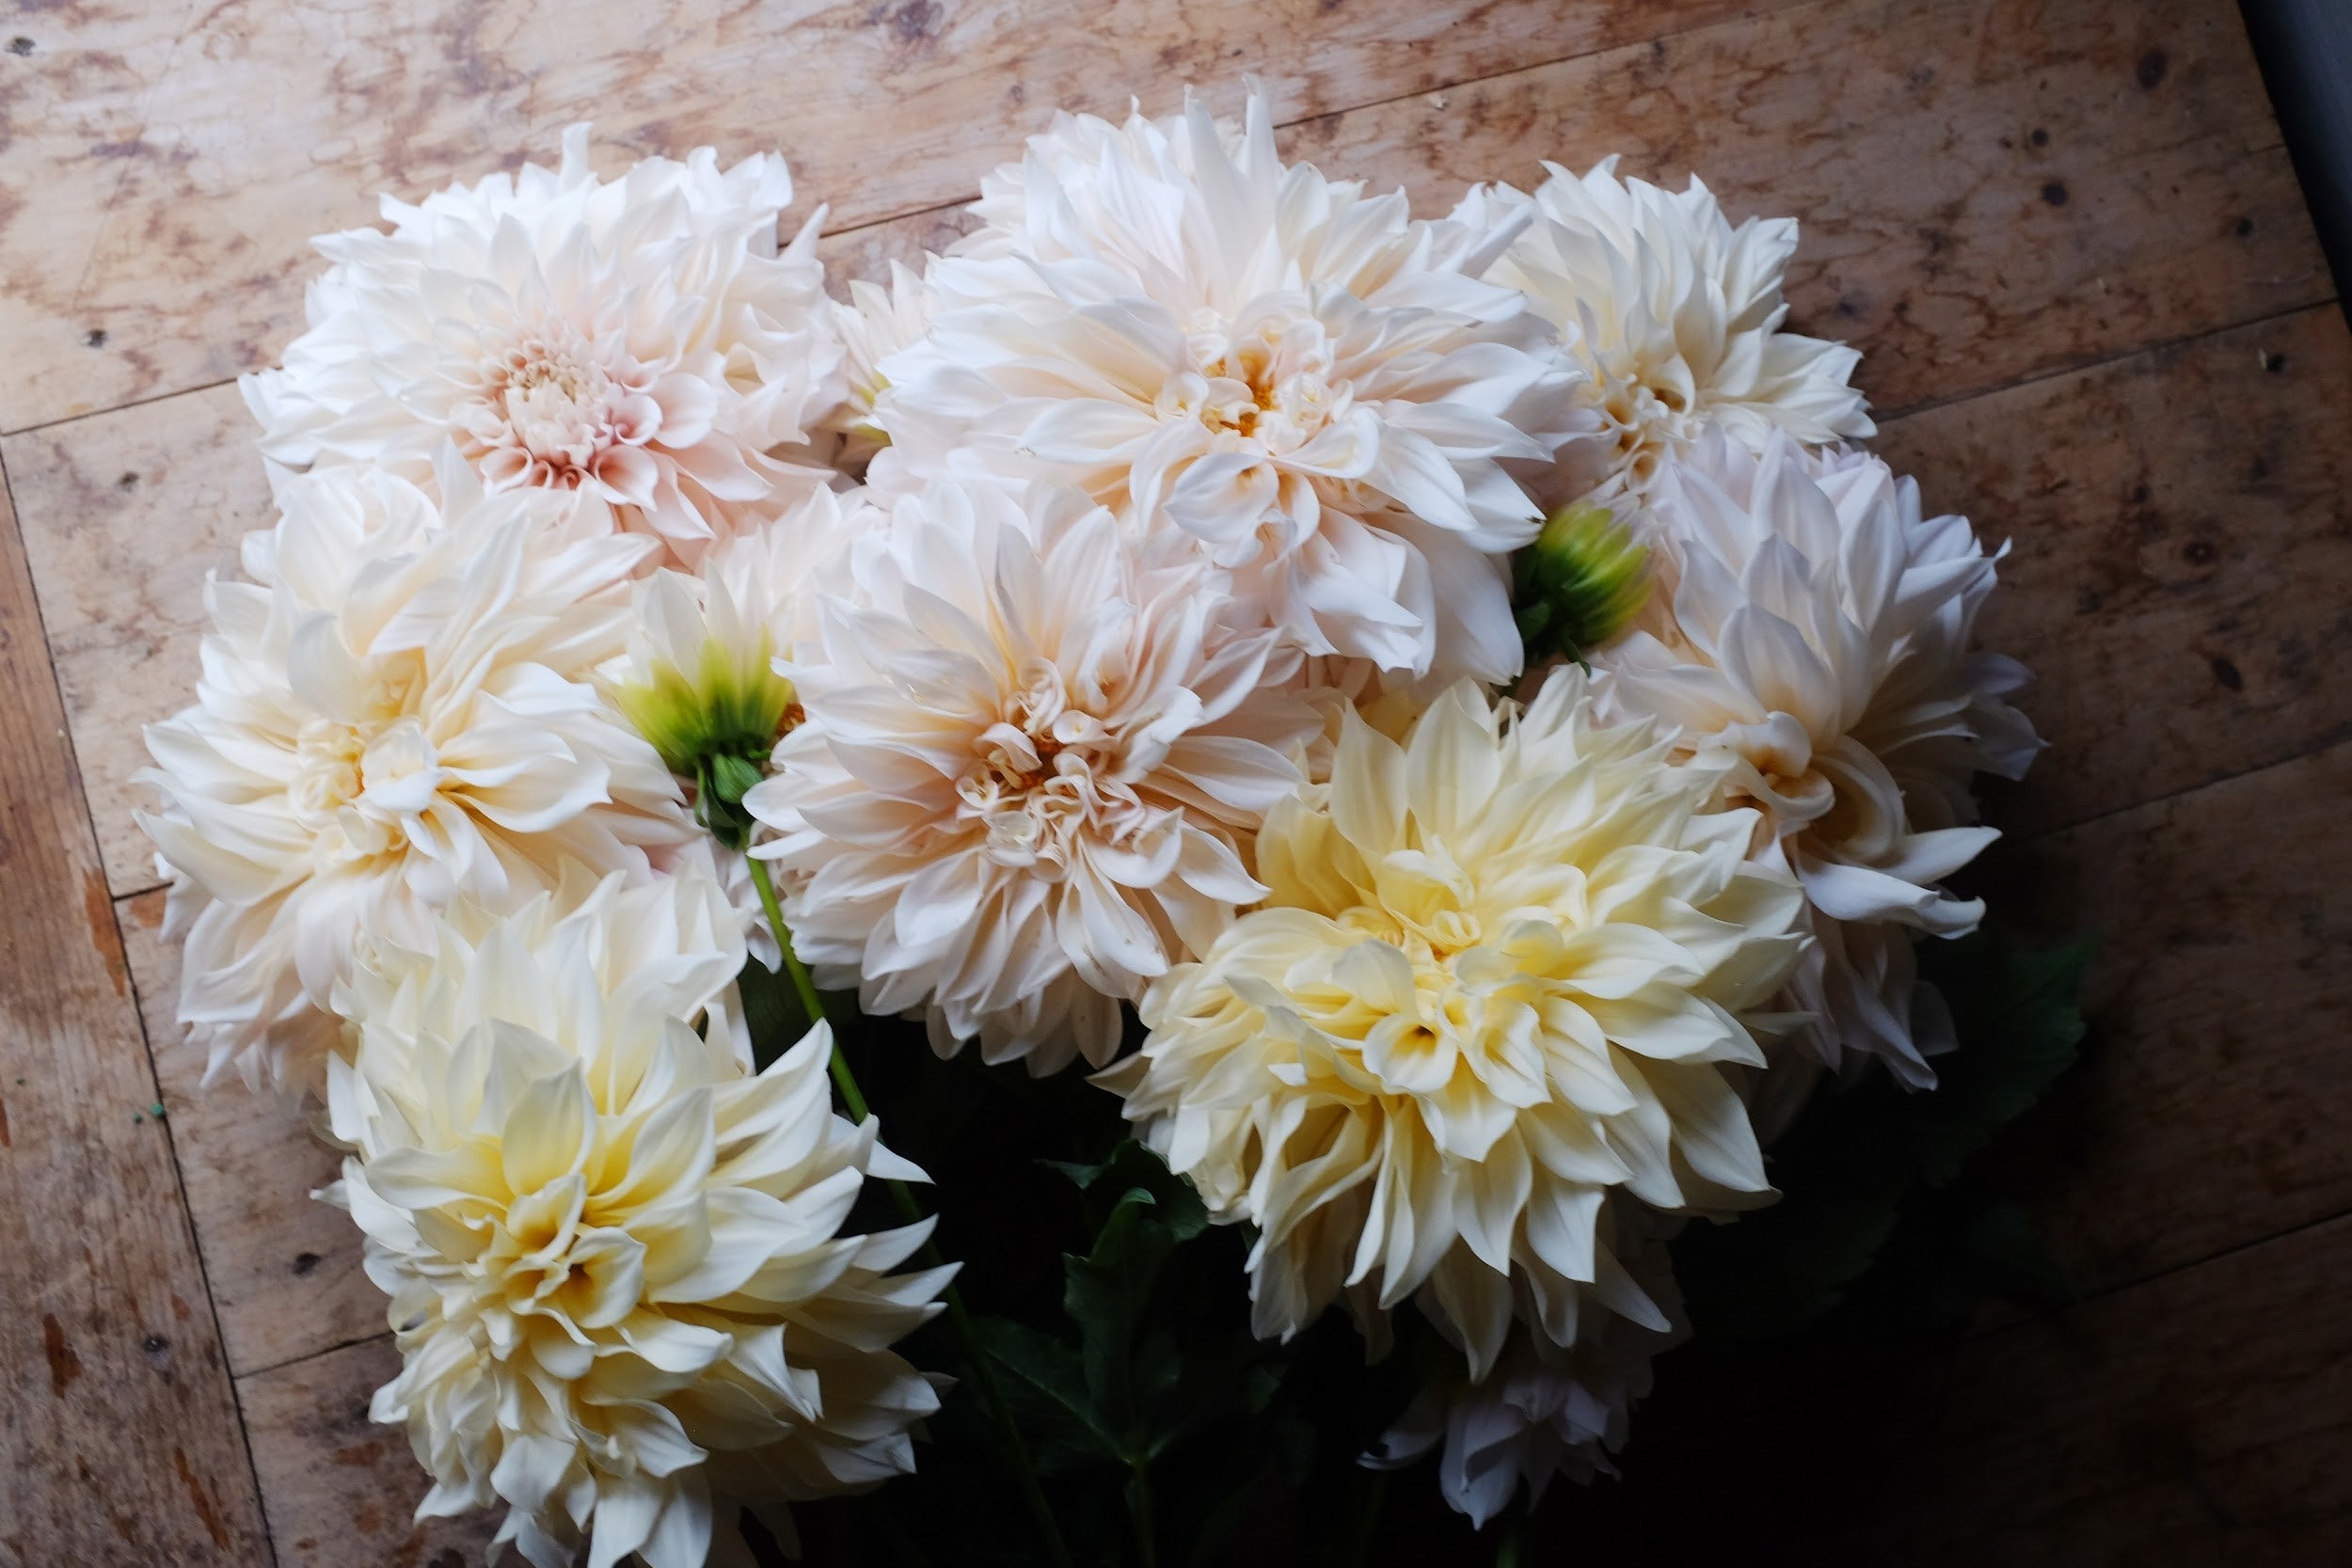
(1499, 974)
(613, 1251)
(1028, 774)
(1673, 313)
(876, 323)
(1296, 380)
(396, 712)
(1812, 643)
(1545, 1410)
(640, 339)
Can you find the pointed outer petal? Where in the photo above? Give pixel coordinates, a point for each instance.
(672, 1346)
(681, 1535)
(1712, 1134)
(1369, 799)
(550, 1132)
(1087, 432)
(1860, 892)
(1560, 1221)
(670, 1157)
(747, 1227)
(1665, 1023)
(418, 1179)
(627, 1507)
(1209, 866)
(530, 1468)
(1100, 932)
(1498, 1190)
(1228, 772)
(1476, 1300)
(1452, 763)
(1612, 961)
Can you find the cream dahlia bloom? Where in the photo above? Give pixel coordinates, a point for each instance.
(396, 712)
(1673, 315)
(1028, 775)
(877, 322)
(640, 339)
(1274, 371)
(1544, 1410)
(612, 1250)
(1811, 640)
(1499, 975)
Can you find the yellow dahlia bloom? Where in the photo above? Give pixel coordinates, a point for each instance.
(614, 1252)
(1499, 973)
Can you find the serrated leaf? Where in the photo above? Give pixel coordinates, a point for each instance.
(1043, 1380)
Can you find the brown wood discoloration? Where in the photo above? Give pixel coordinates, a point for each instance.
(343, 1492)
(2180, 533)
(97, 1437)
(125, 515)
(1920, 145)
(284, 1267)
(2066, 237)
(169, 244)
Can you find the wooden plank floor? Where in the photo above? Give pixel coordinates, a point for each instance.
(2095, 319)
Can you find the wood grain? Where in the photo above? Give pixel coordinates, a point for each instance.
(165, 244)
(343, 1492)
(125, 513)
(284, 1267)
(2180, 532)
(1988, 189)
(121, 1441)
(2210, 1109)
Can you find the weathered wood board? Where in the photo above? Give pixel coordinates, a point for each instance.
(2063, 232)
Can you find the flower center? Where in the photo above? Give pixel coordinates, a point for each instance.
(1268, 387)
(337, 759)
(548, 405)
(1044, 773)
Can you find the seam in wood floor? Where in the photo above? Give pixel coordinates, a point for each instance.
(138, 1014)
(1760, 11)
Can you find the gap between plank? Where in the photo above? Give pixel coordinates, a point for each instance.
(1764, 8)
(147, 1046)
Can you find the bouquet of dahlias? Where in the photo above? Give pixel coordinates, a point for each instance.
(1290, 755)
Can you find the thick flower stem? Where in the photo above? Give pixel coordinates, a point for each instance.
(1016, 1451)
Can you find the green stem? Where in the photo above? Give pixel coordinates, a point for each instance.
(1513, 1551)
(1016, 1451)
(1139, 1510)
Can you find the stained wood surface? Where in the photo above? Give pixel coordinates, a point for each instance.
(121, 1440)
(2065, 235)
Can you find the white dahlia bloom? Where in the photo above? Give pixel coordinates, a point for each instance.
(1545, 1410)
(1810, 638)
(1028, 775)
(877, 322)
(1273, 370)
(638, 339)
(613, 1251)
(1673, 315)
(396, 712)
(1500, 973)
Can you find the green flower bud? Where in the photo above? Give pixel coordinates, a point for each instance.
(716, 725)
(1579, 584)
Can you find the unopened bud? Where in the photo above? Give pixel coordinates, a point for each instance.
(1579, 584)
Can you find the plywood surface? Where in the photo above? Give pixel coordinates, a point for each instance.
(2063, 232)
